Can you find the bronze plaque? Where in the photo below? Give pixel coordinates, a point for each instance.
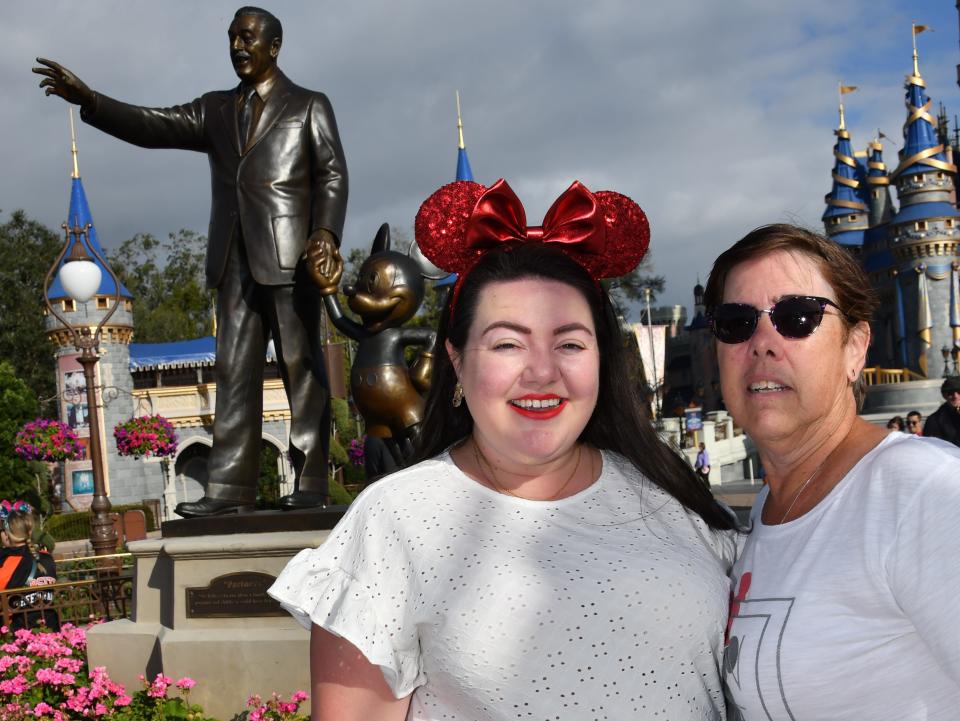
(234, 595)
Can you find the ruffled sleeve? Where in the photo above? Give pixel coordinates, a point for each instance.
(357, 586)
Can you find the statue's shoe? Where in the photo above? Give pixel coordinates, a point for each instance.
(211, 507)
(304, 499)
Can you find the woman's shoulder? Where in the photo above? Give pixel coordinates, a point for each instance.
(903, 467)
(407, 488)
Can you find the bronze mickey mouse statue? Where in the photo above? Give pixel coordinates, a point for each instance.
(388, 291)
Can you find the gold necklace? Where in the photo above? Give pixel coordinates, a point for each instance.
(802, 489)
(478, 455)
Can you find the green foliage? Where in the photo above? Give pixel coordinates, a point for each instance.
(28, 250)
(268, 482)
(166, 278)
(18, 478)
(152, 704)
(75, 526)
(628, 288)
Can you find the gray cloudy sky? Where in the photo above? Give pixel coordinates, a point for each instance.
(715, 116)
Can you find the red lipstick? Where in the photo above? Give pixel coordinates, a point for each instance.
(540, 414)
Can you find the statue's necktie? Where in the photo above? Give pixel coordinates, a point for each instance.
(246, 115)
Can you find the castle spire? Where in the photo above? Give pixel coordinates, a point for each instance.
(922, 151)
(79, 215)
(463, 163)
(878, 185)
(73, 146)
(845, 216)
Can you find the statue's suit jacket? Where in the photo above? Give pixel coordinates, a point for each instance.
(289, 180)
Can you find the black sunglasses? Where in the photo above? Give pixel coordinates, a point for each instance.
(796, 316)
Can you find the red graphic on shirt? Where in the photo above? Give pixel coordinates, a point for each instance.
(735, 600)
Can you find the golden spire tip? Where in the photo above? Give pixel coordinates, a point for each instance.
(73, 146)
(459, 124)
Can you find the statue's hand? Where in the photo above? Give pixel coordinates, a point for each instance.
(57, 80)
(324, 263)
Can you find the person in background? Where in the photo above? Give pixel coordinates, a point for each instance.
(896, 424)
(845, 592)
(945, 421)
(23, 564)
(915, 423)
(550, 556)
(702, 464)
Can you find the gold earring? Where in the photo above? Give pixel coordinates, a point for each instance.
(457, 395)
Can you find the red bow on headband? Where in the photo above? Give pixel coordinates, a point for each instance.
(605, 232)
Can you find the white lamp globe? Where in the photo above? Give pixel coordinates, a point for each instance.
(80, 279)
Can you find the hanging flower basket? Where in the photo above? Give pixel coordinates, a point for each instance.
(47, 440)
(355, 451)
(145, 436)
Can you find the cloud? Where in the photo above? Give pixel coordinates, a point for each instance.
(715, 117)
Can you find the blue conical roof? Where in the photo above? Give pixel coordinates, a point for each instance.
(845, 196)
(922, 151)
(79, 215)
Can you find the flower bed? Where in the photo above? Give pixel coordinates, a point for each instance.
(44, 677)
(47, 440)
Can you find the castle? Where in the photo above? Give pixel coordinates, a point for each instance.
(909, 252)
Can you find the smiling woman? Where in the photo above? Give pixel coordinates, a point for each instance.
(549, 556)
(846, 587)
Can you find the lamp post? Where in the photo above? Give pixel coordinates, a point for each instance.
(653, 356)
(945, 352)
(80, 278)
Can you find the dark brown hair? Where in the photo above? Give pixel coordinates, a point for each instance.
(850, 285)
(618, 423)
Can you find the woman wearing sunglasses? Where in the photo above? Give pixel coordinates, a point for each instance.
(844, 598)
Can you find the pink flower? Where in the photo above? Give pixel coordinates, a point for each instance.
(122, 701)
(299, 696)
(14, 686)
(186, 683)
(42, 708)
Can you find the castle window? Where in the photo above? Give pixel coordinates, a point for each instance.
(852, 218)
(920, 225)
(101, 303)
(939, 176)
(834, 221)
(68, 305)
(948, 223)
(128, 306)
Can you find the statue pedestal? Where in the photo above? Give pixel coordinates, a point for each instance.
(199, 610)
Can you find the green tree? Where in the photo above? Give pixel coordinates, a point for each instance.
(170, 298)
(18, 404)
(628, 288)
(28, 250)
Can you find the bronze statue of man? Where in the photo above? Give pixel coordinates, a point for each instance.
(279, 197)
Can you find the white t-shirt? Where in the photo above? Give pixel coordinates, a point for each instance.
(609, 604)
(850, 611)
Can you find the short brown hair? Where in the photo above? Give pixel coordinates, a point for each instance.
(855, 297)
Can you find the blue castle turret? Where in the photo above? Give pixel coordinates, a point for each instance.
(911, 253)
(128, 480)
(845, 218)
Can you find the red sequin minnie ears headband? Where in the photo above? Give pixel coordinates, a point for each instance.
(605, 232)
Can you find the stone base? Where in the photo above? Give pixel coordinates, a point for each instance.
(229, 655)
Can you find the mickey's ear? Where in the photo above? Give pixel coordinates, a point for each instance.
(381, 241)
(427, 269)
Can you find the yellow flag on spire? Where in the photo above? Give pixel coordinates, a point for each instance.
(844, 89)
(917, 29)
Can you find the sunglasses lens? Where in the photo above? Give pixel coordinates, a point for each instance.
(797, 317)
(734, 322)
